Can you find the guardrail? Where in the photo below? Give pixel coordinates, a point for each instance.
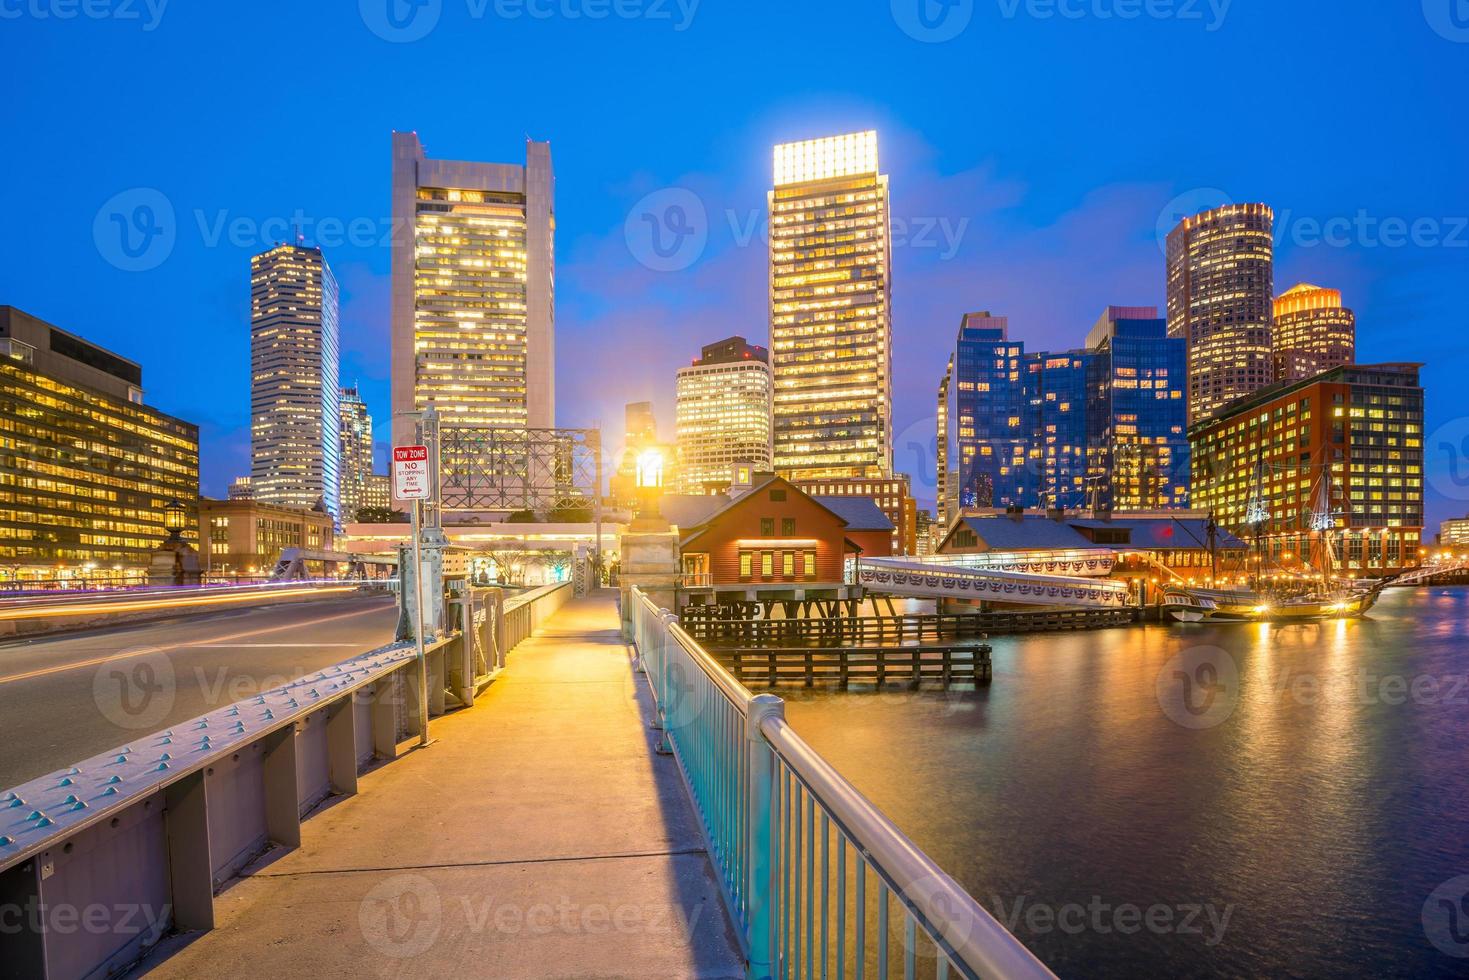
(794, 844)
(100, 860)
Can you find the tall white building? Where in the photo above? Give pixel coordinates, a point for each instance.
(295, 424)
(723, 414)
(473, 290)
(831, 309)
(356, 465)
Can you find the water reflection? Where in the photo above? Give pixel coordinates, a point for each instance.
(1312, 819)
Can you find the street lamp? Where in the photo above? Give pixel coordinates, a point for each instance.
(650, 488)
(173, 518)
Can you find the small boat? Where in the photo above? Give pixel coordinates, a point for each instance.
(1215, 606)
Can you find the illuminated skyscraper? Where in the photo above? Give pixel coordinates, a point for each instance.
(473, 290)
(1313, 332)
(830, 309)
(295, 420)
(1220, 289)
(356, 453)
(723, 414)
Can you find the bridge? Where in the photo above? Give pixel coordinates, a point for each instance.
(584, 804)
(1417, 576)
(976, 580)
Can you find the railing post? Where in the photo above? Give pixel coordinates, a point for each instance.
(760, 889)
(666, 621)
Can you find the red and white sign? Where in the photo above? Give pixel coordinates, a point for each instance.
(410, 473)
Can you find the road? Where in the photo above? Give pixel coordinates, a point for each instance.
(66, 698)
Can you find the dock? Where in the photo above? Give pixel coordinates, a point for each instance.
(708, 624)
(842, 666)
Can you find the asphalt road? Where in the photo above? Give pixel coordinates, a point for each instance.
(67, 698)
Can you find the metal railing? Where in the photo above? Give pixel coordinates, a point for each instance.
(818, 881)
(141, 837)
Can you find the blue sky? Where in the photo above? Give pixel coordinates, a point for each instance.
(1034, 147)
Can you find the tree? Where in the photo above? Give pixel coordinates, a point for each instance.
(379, 515)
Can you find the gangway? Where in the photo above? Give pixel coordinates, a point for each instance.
(916, 578)
(1422, 573)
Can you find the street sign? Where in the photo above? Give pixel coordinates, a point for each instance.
(410, 473)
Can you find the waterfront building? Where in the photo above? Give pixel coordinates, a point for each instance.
(356, 438)
(984, 437)
(1335, 459)
(1313, 332)
(295, 420)
(893, 496)
(472, 291)
(723, 414)
(830, 309)
(1137, 408)
(88, 468)
(1454, 533)
(245, 538)
(771, 540)
(1220, 301)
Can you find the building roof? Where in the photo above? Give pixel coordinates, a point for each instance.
(726, 503)
(1035, 532)
(686, 510)
(860, 513)
(1161, 533)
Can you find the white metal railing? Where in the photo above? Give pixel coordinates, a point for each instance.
(923, 579)
(812, 872)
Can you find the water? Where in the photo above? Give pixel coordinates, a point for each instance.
(1288, 813)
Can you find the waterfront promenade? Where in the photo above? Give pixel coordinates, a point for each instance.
(540, 835)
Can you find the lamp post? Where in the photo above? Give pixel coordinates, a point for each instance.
(650, 491)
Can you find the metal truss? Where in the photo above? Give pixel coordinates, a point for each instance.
(539, 470)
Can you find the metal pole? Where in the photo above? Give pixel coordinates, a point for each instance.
(761, 821)
(418, 625)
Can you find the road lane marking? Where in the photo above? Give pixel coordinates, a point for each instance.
(261, 646)
(96, 661)
(128, 606)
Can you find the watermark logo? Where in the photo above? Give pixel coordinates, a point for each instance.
(401, 917)
(136, 229)
(950, 921)
(1447, 458)
(1186, 205)
(148, 12)
(401, 21)
(1199, 687)
(1210, 13)
(933, 21)
(135, 691)
(1446, 917)
(1204, 920)
(668, 230)
(1449, 19)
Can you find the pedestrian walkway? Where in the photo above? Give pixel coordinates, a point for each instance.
(539, 836)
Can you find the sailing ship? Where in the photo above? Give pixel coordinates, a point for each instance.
(1327, 597)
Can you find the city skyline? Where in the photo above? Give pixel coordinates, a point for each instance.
(1016, 238)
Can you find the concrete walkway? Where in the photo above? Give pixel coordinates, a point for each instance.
(539, 836)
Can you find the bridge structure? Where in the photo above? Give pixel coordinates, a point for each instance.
(1423, 573)
(1011, 579)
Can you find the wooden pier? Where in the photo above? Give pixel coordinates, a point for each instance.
(709, 624)
(842, 666)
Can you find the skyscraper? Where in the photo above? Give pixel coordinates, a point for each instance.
(830, 309)
(295, 420)
(473, 290)
(356, 429)
(1313, 332)
(984, 423)
(1220, 289)
(723, 413)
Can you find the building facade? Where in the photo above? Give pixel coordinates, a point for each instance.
(723, 414)
(893, 497)
(1332, 460)
(1313, 332)
(1454, 533)
(1220, 301)
(356, 437)
(473, 290)
(245, 538)
(85, 467)
(984, 439)
(640, 438)
(295, 415)
(830, 309)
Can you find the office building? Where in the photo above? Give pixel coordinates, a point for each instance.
(356, 428)
(473, 291)
(243, 539)
(1313, 332)
(723, 414)
(87, 467)
(1454, 533)
(830, 309)
(984, 435)
(640, 439)
(240, 489)
(295, 422)
(1220, 300)
(379, 492)
(1337, 458)
(892, 495)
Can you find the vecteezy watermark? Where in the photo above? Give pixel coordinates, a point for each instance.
(136, 230)
(1199, 687)
(1187, 205)
(1449, 446)
(932, 21)
(1367, 687)
(401, 916)
(136, 689)
(667, 230)
(405, 21)
(1210, 13)
(121, 919)
(1205, 920)
(1449, 18)
(149, 13)
(1446, 917)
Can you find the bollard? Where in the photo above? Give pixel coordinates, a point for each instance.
(760, 821)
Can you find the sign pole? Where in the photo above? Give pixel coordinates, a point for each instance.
(418, 625)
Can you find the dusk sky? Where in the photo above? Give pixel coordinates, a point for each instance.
(1034, 159)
